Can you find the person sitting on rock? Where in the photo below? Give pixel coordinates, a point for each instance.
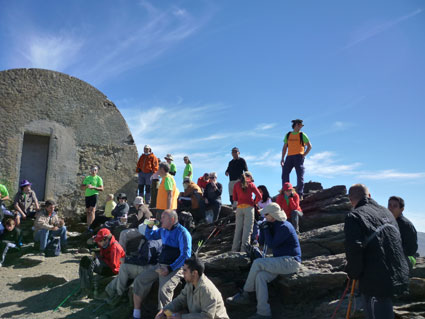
(101, 219)
(135, 263)
(279, 235)
(409, 237)
(25, 202)
(4, 195)
(120, 212)
(10, 239)
(200, 296)
(107, 263)
(191, 199)
(212, 195)
(289, 201)
(203, 181)
(47, 224)
(132, 234)
(176, 248)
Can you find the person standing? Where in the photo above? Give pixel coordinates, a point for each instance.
(92, 184)
(374, 253)
(409, 237)
(167, 191)
(234, 170)
(173, 169)
(245, 212)
(295, 143)
(146, 166)
(188, 169)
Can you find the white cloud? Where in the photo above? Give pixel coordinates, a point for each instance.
(265, 126)
(325, 164)
(373, 32)
(390, 174)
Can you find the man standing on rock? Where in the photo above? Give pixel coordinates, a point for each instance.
(279, 235)
(295, 143)
(374, 253)
(92, 184)
(199, 296)
(176, 248)
(235, 169)
(409, 237)
(146, 166)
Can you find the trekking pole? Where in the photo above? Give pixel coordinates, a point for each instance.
(341, 299)
(353, 285)
(73, 292)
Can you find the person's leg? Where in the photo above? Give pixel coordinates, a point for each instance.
(262, 292)
(231, 185)
(42, 236)
(378, 307)
(248, 223)
(299, 168)
(167, 285)
(142, 285)
(216, 207)
(287, 168)
(148, 183)
(140, 184)
(238, 230)
(62, 233)
(154, 193)
(91, 212)
(295, 219)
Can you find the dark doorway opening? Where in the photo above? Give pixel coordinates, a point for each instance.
(35, 154)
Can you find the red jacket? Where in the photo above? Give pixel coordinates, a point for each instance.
(147, 163)
(202, 183)
(112, 254)
(245, 197)
(294, 203)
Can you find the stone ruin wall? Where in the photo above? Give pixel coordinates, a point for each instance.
(84, 127)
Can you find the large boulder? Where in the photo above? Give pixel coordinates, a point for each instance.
(327, 240)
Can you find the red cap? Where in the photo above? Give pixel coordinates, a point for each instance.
(287, 186)
(101, 234)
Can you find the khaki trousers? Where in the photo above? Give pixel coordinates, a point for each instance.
(243, 229)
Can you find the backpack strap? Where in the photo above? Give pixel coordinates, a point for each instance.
(287, 137)
(378, 230)
(302, 138)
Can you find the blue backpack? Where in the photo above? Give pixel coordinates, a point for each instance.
(53, 248)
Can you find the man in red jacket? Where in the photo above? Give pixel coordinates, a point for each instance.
(289, 201)
(146, 166)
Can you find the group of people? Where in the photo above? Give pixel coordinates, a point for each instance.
(381, 243)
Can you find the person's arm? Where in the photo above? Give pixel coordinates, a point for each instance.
(409, 238)
(219, 189)
(153, 234)
(155, 164)
(354, 249)
(284, 149)
(180, 302)
(190, 170)
(43, 223)
(235, 193)
(208, 307)
(169, 199)
(257, 193)
(278, 238)
(114, 259)
(83, 185)
(227, 170)
(294, 202)
(16, 204)
(37, 205)
(245, 166)
(308, 149)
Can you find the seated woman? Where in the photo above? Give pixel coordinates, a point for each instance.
(120, 212)
(265, 201)
(101, 219)
(107, 263)
(212, 195)
(289, 201)
(191, 199)
(25, 202)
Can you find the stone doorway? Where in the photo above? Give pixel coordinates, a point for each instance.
(35, 154)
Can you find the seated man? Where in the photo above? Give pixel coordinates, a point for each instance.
(147, 256)
(176, 248)
(199, 296)
(120, 212)
(212, 195)
(203, 181)
(279, 235)
(47, 224)
(409, 237)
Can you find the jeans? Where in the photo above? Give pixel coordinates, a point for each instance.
(296, 161)
(145, 180)
(295, 219)
(378, 307)
(44, 235)
(215, 205)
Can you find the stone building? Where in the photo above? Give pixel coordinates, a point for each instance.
(53, 128)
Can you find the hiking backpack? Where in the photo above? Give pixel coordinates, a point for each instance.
(148, 253)
(53, 248)
(186, 220)
(301, 138)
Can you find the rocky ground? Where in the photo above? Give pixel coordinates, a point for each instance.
(33, 286)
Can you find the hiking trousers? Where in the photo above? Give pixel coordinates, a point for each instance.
(144, 281)
(44, 235)
(296, 161)
(119, 285)
(231, 185)
(243, 228)
(263, 271)
(378, 307)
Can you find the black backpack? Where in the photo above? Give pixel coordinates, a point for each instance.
(301, 138)
(186, 220)
(148, 253)
(53, 248)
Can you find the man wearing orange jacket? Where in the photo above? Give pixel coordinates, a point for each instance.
(146, 166)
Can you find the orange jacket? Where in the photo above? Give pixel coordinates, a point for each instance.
(147, 163)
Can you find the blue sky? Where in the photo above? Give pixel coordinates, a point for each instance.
(199, 77)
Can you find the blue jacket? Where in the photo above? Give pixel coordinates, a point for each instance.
(282, 238)
(176, 245)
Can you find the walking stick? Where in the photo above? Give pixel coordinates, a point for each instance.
(350, 302)
(341, 299)
(76, 288)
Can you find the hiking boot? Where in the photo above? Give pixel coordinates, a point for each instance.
(257, 316)
(241, 298)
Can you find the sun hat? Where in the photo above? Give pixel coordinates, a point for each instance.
(138, 200)
(24, 183)
(274, 210)
(101, 234)
(169, 156)
(287, 186)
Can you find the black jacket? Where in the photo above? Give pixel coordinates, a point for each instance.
(374, 250)
(409, 236)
